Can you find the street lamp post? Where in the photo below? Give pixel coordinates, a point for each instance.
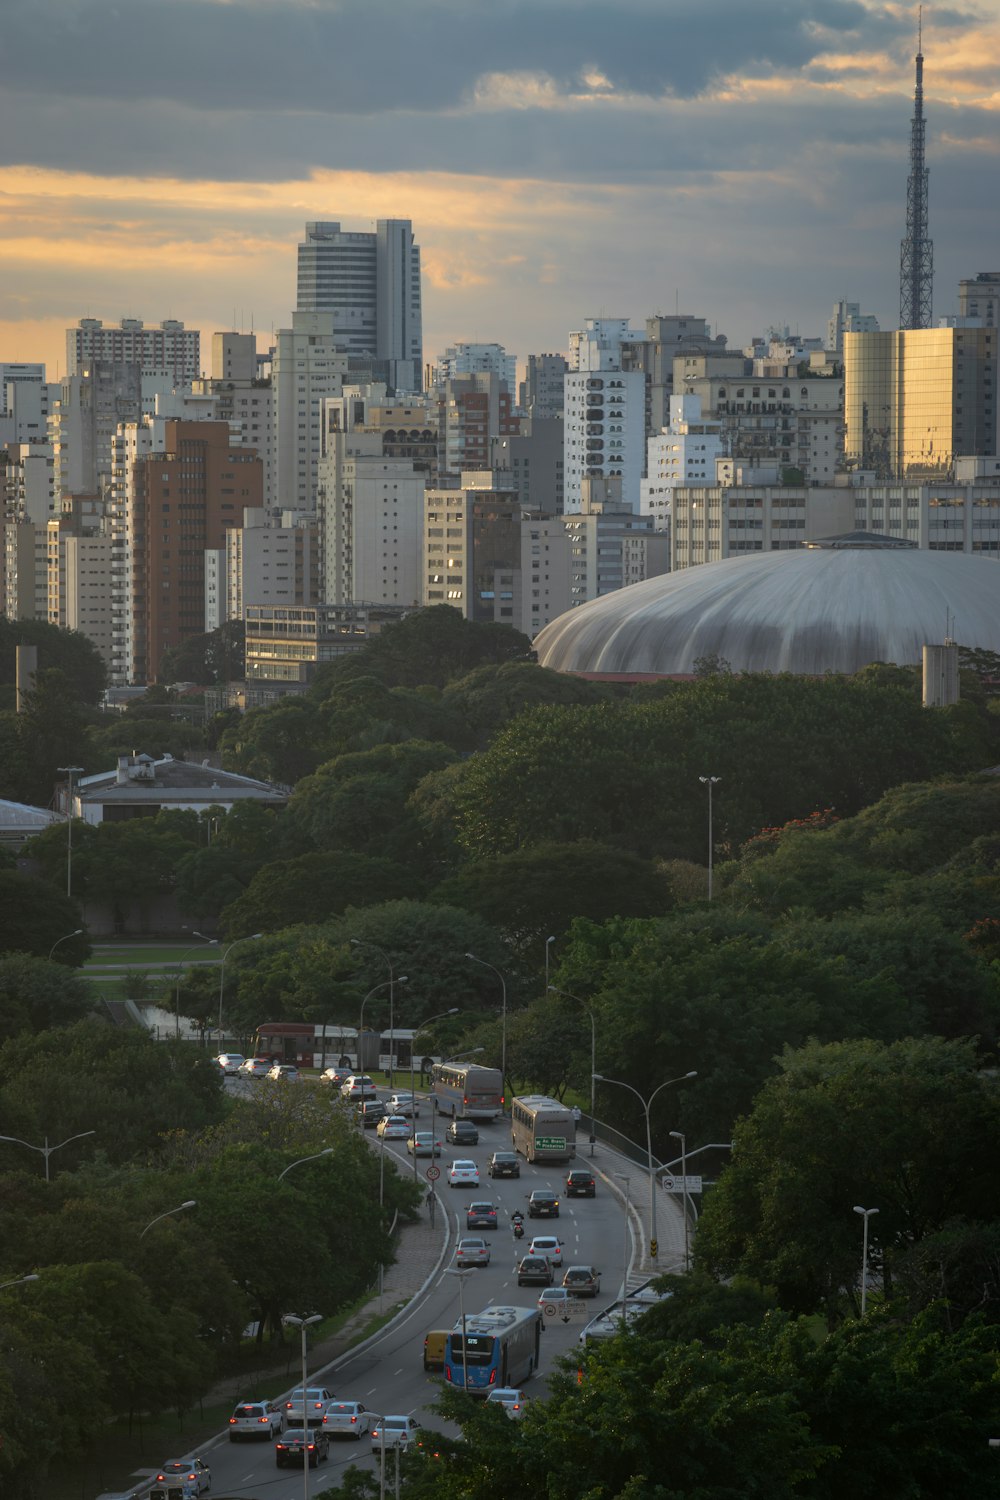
(503, 1022)
(222, 975)
(47, 1150)
(462, 1272)
(19, 1281)
(678, 1135)
(628, 1186)
(548, 944)
(430, 1020)
(402, 979)
(593, 1058)
(69, 772)
(866, 1214)
(212, 943)
(646, 1106)
(364, 943)
(303, 1324)
(64, 939)
(315, 1157)
(710, 782)
(191, 1203)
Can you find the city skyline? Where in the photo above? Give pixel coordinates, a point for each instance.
(745, 164)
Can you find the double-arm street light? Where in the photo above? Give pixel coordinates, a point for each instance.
(710, 782)
(364, 943)
(503, 1022)
(304, 1324)
(212, 943)
(866, 1214)
(593, 1057)
(222, 975)
(191, 1203)
(646, 1107)
(47, 1150)
(64, 939)
(69, 772)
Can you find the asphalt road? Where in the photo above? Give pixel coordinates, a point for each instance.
(388, 1376)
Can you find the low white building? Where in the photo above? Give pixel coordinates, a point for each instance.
(683, 453)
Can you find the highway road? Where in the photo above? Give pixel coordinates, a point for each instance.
(388, 1376)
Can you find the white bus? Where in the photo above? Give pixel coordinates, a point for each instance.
(500, 1347)
(542, 1129)
(466, 1091)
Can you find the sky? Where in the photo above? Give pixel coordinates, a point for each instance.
(739, 160)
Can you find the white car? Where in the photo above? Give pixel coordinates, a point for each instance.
(393, 1128)
(358, 1086)
(230, 1062)
(405, 1104)
(347, 1419)
(463, 1174)
(559, 1297)
(284, 1073)
(513, 1401)
(549, 1246)
(193, 1474)
(317, 1400)
(256, 1067)
(472, 1252)
(394, 1432)
(254, 1419)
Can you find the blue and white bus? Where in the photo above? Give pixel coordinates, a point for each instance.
(500, 1347)
(466, 1091)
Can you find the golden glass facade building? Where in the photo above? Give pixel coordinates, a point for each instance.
(916, 399)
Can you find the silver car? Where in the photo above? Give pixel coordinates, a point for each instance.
(347, 1419)
(472, 1252)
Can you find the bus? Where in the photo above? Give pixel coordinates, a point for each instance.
(542, 1129)
(500, 1346)
(315, 1045)
(466, 1091)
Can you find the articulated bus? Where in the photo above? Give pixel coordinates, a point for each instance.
(500, 1347)
(542, 1129)
(466, 1091)
(315, 1045)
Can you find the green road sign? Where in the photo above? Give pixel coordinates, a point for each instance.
(550, 1143)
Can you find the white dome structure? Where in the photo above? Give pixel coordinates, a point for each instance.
(834, 606)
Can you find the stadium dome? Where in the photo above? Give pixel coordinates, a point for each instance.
(833, 606)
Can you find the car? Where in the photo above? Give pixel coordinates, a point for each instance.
(283, 1073)
(535, 1270)
(512, 1401)
(557, 1297)
(472, 1252)
(255, 1418)
(580, 1184)
(480, 1216)
(543, 1205)
(504, 1164)
(298, 1445)
(230, 1062)
(550, 1247)
(256, 1067)
(336, 1077)
(463, 1133)
(582, 1281)
(317, 1400)
(394, 1432)
(463, 1174)
(193, 1473)
(347, 1419)
(435, 1344)
(393, 1128)
(422, 1143)
(357, 1086)
(370, 1112)
(405, 1104)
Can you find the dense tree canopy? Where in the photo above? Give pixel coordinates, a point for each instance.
(34, 916)
(66, 651)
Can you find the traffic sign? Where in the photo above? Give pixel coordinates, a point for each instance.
(550, 1143)
(569, 1309)
(433, 1173)
(676, 1185)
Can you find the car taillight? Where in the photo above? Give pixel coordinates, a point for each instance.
(353, 1420)
(261, 1419)
(231, 1421)
(493, 1376)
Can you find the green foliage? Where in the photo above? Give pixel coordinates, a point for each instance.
(36, 994)
(217, 656)
(73, 655)
(492, 696)
(50, 732)
(34, 917)
(282, 743)
(314, 887)
(427, 648)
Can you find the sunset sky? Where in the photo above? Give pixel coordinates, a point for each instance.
(743, 160)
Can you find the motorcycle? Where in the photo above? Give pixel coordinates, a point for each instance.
(517, 1223)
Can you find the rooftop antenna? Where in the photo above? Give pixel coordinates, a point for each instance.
(916, 252)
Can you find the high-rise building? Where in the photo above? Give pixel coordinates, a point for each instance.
(610, 545)
(847, 317)
(979, 297)
(683, 453)
(916, 399)
(84, 420)
(170, 349)
(24, 403)
(370, 283)
(541, 393)
(533, 463)
(472, 411)
(604, 420)
(309, 366)
(371, 514)
(475, 359)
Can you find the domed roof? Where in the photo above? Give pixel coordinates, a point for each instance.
(831, 608)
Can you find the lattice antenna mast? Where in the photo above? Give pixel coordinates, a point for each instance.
(916, 256)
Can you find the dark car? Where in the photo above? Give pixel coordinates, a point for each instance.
(504, 1164)
(580, 1184)
(535, 1270)
(463, 1133)
(369, 1112)
(481, 1216)
(582, 1281)
(298, 1444)
(543, 1205)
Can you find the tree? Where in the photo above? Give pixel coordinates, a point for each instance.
(217, 656)
(279, 744)
(34, 917)
(427, 648)
(36, 994)
(492, 696)
(67, 651)
(911, 1129)
(313, 888)
(49, 732)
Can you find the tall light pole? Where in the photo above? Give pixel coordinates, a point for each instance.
(628, 1186)
(364, 943)
(303, 1324)
(401, 979)
(315, 1157)
(593, 1058)
(47, 1150)
(710, 782)
(191, 1203)
(646, 1106)
(64, 939)
(548, 944)
(866, 1214)
(678, 1135)
(440, 1016)
(462, 1272)
(222, 975)
(503, 1022)
(212, 943)
(69, 772)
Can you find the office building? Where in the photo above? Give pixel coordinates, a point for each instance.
(285, 644)
(169, 350)
(309, 366)
(541, 391)
(610, 545)
(532, 460)
(472, 411)
(371, 519)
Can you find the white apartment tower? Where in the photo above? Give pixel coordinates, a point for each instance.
(476, 359)
(605, 413)
(371, 514)
(683, 453)
(309, 365)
